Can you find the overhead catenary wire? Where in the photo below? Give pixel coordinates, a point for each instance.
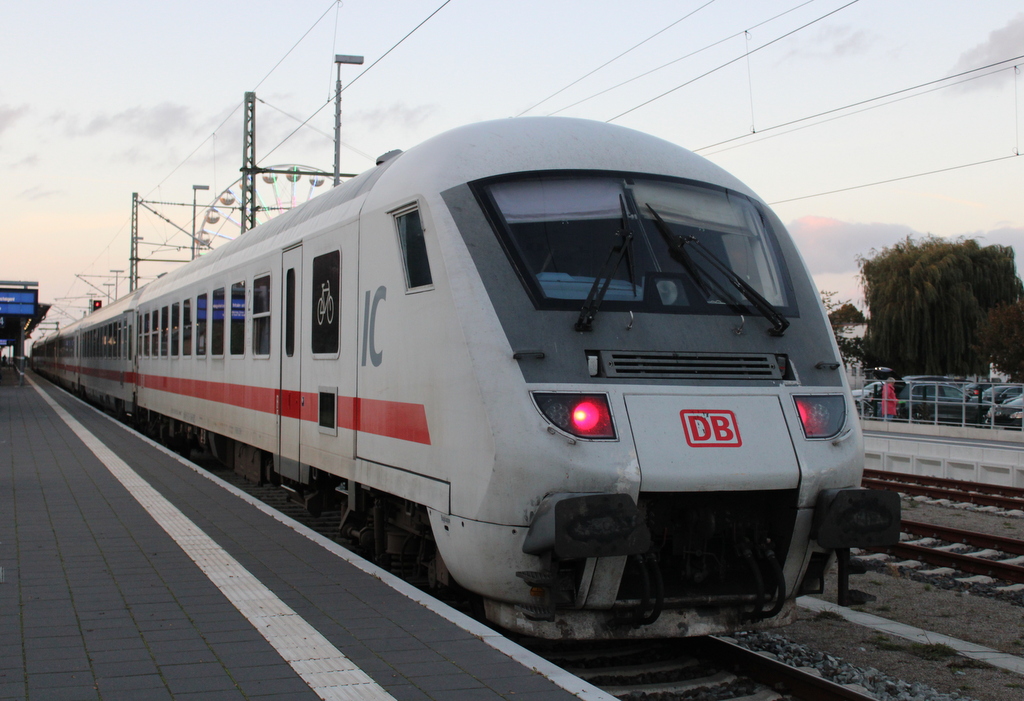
(732, 61)
(967, 76)
(616, 58)
(360, 75)
(681, 58)
(898, 179)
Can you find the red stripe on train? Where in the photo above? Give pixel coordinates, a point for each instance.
(400, 420)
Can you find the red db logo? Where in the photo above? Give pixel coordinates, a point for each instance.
(711, 429)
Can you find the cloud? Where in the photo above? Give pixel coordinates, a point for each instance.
(38, 193)
(9, 115)
(155, 122)
(830, 246)
(1005, 236)
(398, 114)
(1002, 44)
(832, 42)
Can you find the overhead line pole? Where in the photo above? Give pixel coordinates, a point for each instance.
(249, 163)
(133, 257)
(338, 60)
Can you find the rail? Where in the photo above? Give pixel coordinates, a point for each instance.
(983, 563)
(996, 495)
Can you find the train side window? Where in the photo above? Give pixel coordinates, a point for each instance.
(129, 339)
(145, 334)
(289, 312)
(165, 329)
(261, 316)
(217, 324)
(201, 325)
(186, 327)
(175, 328)
(326, 303)
(238, 318)
(414, 249)
(154, 334)
(327, 411)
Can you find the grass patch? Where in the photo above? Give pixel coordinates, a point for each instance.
(828, 616)
(935, 652)
(1014, 685)
(927, 587)
(882, 642)
(883, 607)
(967, 663)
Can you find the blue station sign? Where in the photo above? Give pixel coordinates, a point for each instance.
(18, 302)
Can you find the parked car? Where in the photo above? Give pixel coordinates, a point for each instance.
(937, 402)
(1008, 414)
(866, 390)
(976, 390)
(999, 394)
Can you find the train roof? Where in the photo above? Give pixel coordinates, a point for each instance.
(526, 144)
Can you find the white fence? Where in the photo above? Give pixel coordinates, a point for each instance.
(989, 456)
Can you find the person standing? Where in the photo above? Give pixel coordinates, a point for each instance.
(889, 402)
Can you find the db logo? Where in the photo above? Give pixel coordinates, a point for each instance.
(711, 429)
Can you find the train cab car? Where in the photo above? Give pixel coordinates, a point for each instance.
(575, 370)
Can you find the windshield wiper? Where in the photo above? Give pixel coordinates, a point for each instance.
(677, 246)
(621, 249)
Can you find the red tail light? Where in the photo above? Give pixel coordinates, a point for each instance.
(582, 415)
(822, 415)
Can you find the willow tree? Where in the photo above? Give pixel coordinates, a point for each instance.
(927, 298)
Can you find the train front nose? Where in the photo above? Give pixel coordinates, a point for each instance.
(713, 442)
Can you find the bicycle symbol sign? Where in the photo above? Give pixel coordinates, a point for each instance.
(325, 305)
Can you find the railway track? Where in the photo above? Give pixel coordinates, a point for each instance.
(939, 488)
(697, 668)
(942, 546)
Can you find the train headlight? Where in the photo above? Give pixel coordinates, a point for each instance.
(581, 415)
(822, 415)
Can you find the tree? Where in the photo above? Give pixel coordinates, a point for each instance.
(1001, 339)
(840, 316)
(927, 298)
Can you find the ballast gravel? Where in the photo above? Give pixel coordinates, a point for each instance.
(893, 669)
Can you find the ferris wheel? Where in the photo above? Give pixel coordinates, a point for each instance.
(276, 192)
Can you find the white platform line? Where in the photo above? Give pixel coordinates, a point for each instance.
(331, 675)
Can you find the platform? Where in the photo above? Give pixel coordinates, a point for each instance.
(129, 573)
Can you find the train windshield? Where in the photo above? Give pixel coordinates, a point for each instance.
(688, 243)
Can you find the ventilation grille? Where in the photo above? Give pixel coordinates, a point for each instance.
(691, 366)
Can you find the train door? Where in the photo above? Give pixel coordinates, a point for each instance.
(291, 398)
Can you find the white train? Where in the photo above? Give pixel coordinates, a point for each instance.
(574, 369)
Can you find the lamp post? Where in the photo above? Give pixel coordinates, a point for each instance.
(195, 188)
(338, 60)
(116, 273)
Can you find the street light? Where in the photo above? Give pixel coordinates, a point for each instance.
(338, 60)
(195, 188)
(116, 272)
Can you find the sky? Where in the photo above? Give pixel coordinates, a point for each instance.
(860, 123)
